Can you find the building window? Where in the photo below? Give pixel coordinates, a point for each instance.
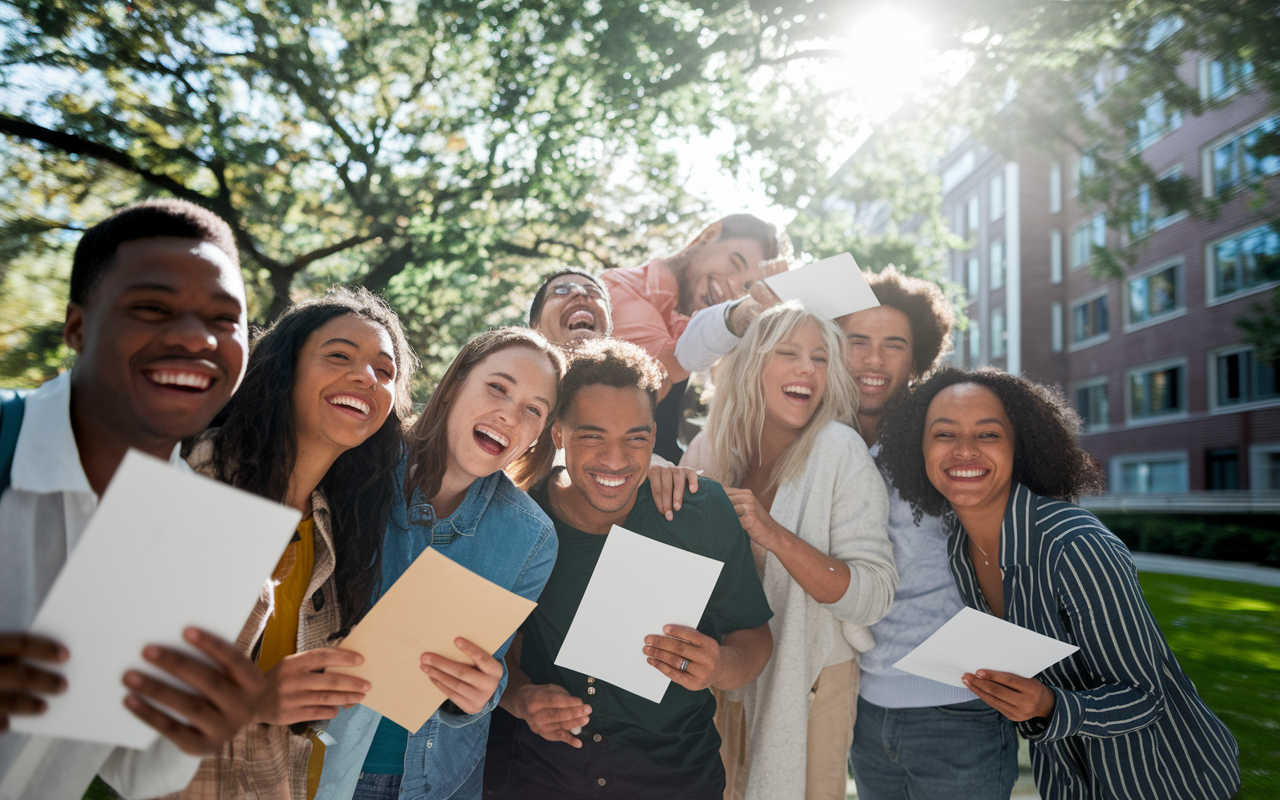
(1089, 319)
(1085, 237)
(1246, 260)
(1222, 78)
(1153, 295)
(1222, 469)
(1091, 405)
(999, 335)
(1156, 392)
(1085, 168)
(971, 218)
(974, 276)
(975, 344)
(1264, 467)
(1233, 163)
(1055, 187)
(1055, 324)
(1149, 214)
(1242, 378)
(997, 196)
(1155, 475)
(1158, 119)
(1055, 256)
(997, 264)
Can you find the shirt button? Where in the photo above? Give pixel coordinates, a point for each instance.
(591, 680)
(591, 690)
(601, 781)
(597, 737)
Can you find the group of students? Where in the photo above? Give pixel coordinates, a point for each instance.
(857, 494)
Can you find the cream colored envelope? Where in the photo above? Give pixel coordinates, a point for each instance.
(434, 602)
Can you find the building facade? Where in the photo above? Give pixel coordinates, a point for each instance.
(1172, 398)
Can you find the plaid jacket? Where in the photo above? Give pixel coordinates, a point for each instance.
(269, 762)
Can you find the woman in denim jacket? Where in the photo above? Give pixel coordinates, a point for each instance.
(491, 412)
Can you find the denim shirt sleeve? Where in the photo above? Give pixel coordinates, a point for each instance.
(533, 577)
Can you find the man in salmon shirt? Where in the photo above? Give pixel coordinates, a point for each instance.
(652, 304)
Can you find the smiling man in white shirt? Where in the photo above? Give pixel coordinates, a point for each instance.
(157, 318)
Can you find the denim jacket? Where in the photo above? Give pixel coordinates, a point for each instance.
(497, 532)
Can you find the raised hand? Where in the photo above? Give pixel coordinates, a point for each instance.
(300, 690)
(226, 693)
(20, 683)
(468, 686)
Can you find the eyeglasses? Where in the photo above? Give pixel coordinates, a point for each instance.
(566, 288)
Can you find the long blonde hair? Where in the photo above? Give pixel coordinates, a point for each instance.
(735, 424)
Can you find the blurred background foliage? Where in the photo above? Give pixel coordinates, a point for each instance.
(448, 153)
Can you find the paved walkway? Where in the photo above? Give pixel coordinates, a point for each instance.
(1203, 568)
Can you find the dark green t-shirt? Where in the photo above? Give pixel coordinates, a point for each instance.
(644, 749)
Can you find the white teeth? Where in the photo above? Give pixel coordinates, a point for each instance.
(193, 380)
(581, 319)
(494, 435)
(609, 481)
(966, 473)
(352, 402)
(869, 381)
(804, 390)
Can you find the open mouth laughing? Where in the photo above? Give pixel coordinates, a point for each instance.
(968, 472)
(351, 404)
(188, 381)
(800, 392)
(490, 439)
(610, 483)
(581, 320)
(872, 381)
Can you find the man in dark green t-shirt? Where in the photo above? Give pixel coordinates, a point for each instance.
(578, 736)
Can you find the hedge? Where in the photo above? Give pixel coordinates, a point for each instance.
(1250, 538)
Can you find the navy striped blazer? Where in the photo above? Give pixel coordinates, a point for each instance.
(1127, 722)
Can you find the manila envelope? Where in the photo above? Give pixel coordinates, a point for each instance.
(434, 602)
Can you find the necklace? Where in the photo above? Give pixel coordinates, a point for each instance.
(980, 550)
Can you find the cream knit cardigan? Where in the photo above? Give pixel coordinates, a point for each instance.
(838, 505)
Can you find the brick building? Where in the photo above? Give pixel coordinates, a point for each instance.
(1173, 400)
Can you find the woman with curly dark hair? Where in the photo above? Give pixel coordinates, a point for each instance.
(318, 424)
(1118, 718)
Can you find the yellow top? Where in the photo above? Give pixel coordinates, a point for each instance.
(292, 577)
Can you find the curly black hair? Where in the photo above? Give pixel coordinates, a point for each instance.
(928, 310)
(610, 362)
(1047, 456)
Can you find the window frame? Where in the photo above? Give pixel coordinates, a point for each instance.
(1119, 462)
(1209, 172)
(1092, 383)
(1098, 338)
(1211, 270)
(1216, 407)
(1131, 421)
(1178, 264)
(1258, 454)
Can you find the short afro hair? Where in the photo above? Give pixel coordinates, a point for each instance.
(540, 297)
(928, 310)
(1047, 456)
(610, 362)
(147, 220)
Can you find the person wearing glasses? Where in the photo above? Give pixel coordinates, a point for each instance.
(570, 306)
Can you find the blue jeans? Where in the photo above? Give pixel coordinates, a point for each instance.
(967, 750)
(373, 786)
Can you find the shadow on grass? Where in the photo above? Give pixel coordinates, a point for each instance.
(1226, 636)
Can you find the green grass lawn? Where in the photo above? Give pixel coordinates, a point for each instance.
(1226, 636)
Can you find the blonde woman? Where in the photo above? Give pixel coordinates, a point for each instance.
(780, 437)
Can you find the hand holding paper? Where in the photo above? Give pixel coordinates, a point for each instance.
(432, 605)
(973, 641)
(832, 287)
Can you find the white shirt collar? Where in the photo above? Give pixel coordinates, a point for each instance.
(47, 459)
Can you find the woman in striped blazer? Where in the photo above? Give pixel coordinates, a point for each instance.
(1118, 718)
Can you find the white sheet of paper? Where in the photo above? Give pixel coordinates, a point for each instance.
(832, 287)
(972, 640)
(639, 585)
(166, 549)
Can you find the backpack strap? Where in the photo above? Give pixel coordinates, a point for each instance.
(12, 407)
